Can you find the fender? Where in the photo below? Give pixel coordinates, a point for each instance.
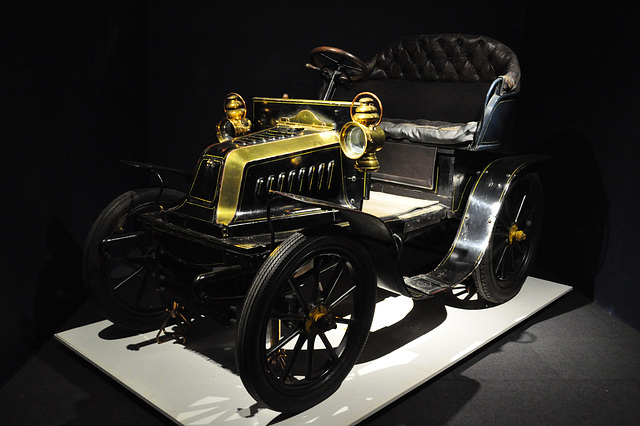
(476, 227)
(382, 244)
(154, 168)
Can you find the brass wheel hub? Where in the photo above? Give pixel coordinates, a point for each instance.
(516, 234)
(320, 318)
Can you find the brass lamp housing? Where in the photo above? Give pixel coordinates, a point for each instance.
(360, 139)
(235, 123)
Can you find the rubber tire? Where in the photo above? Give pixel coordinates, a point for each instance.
(117, 218)
(264, 293)
(492, 287)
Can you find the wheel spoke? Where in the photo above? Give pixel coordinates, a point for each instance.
(520, 208)
(128, 278)
(294, 356)
(273, 349)
(317, 285)
(296, 291)
(528, 212)
(307, 271)
(501, 236)
(342, 320)
(512, 256)
(338, 268)
(327, 344)
(118, 239)
(500, 264)
(143, 287)
(342, 298)
(310, 348)
(500, 244)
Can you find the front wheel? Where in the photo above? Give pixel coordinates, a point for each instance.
(305, 321)
(120, 264)
(503, 269)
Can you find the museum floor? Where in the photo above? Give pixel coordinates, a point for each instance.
(571, 363)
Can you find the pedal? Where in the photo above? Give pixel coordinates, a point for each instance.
(174, 316)
(425, 285)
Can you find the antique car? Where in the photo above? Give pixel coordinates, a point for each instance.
(296, 217)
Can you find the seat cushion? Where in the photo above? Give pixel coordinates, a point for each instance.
(428, 131)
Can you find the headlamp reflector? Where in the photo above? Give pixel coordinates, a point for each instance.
(226, 130)
(353, 140)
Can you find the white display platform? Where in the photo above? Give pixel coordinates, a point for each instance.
(411, 342)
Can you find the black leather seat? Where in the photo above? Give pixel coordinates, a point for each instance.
(446, 58)
(434, 87)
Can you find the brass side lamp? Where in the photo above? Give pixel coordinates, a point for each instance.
(360, 139)
(236, 122)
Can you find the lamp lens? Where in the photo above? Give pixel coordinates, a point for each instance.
(355, 141)
(226, 130)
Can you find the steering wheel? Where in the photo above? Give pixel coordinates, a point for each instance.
(333, 62)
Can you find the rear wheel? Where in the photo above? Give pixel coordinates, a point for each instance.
(503, 269)
(305, 321)
(119, 264)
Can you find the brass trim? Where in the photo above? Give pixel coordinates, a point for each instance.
(306, 119)
(237, 160)
(368, 118)
(234, 106)
(301, 101)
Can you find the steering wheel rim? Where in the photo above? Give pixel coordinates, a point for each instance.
(357, 67)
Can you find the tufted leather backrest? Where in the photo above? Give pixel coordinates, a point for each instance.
(429, 76)
(447, 58)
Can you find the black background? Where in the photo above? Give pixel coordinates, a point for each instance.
(85, 83)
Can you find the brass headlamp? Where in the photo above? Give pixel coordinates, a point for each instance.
(235, 123)
(360, 139)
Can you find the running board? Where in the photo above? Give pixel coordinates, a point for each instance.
(423, 285)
